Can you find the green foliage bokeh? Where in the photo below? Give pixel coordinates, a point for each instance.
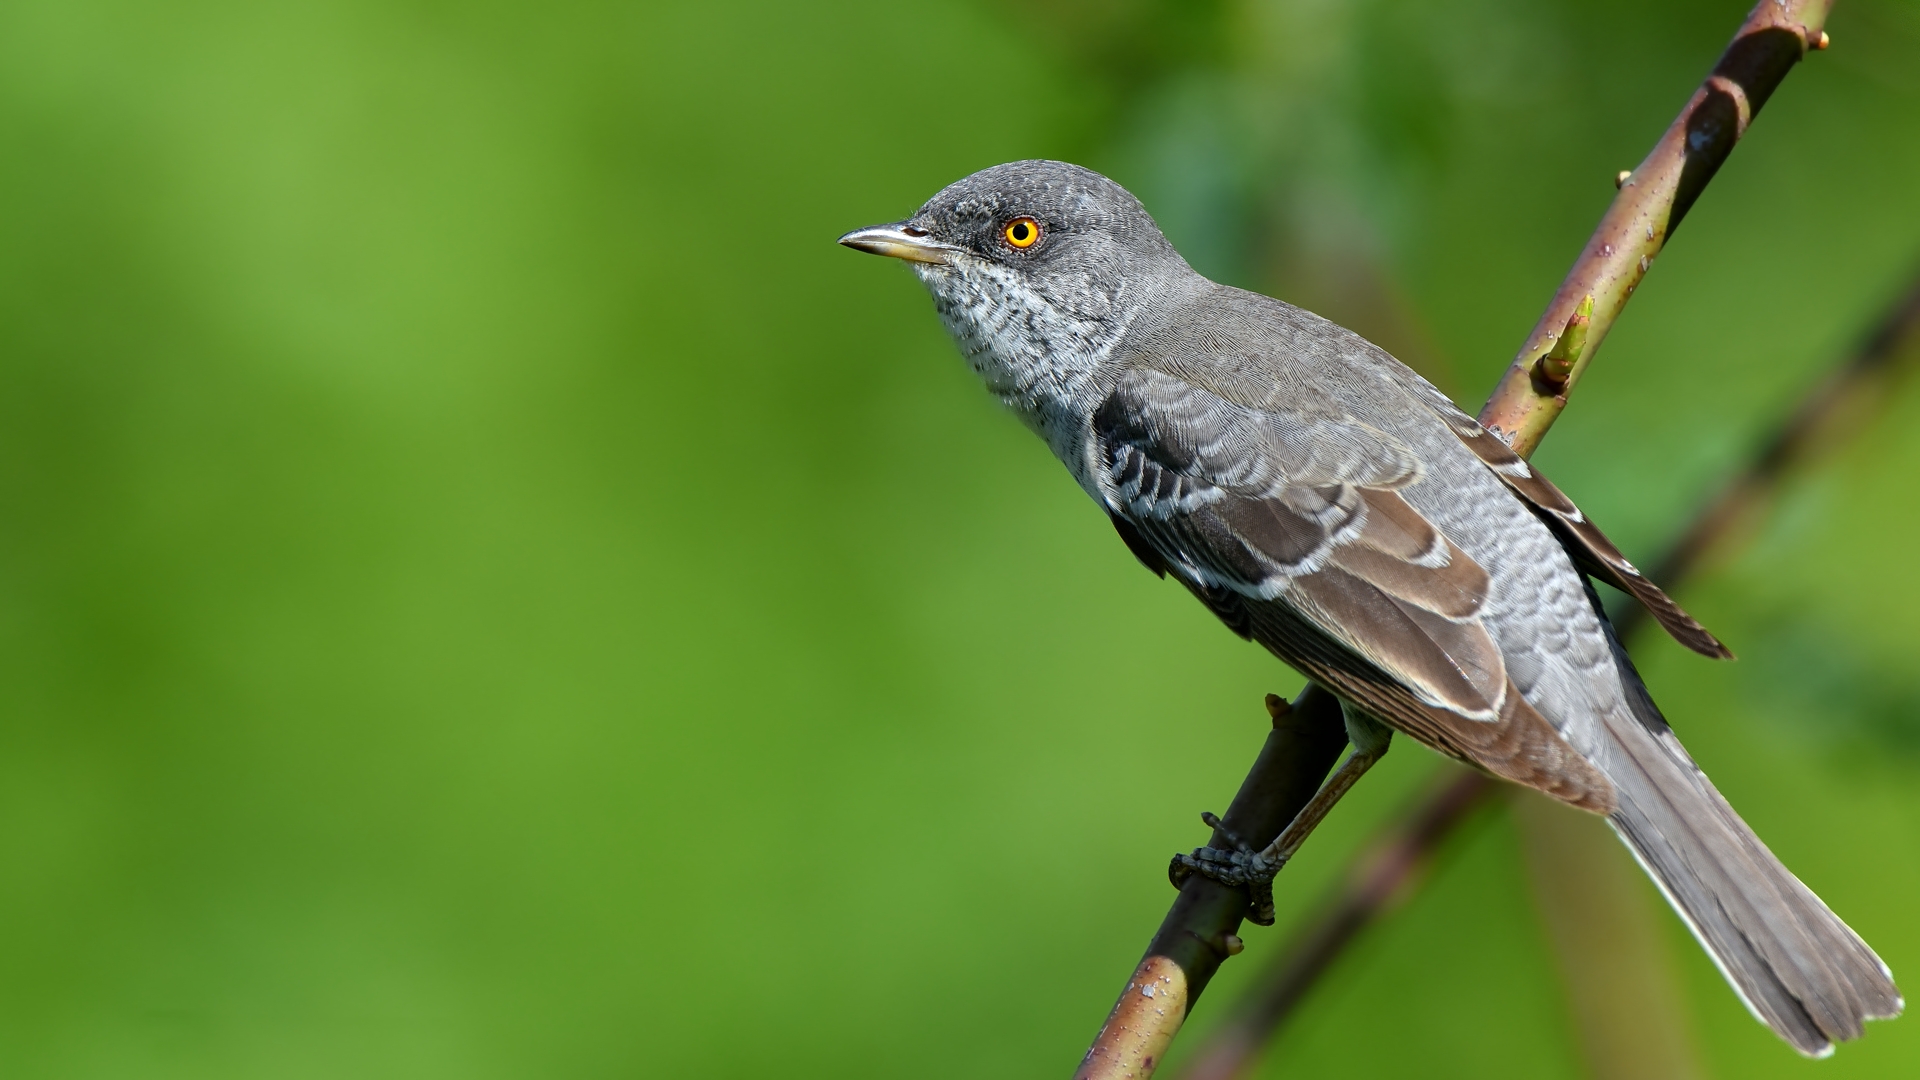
(488, 589)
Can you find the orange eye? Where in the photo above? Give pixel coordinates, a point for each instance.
(1021, 232)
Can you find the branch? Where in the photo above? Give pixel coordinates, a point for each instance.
(1389, 868)
(1382, 877)
(1199, 931)
(1652, 200)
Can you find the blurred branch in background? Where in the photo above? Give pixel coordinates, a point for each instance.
(1197, 934)
(1840, 406)
(1602, 919)
(1391, 867)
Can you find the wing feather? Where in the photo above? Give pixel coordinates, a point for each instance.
(1429, 572)
(1521, 746)
(1293, 530)
(1452, 665)
(1592, 552)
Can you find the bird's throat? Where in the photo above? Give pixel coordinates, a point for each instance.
(1042, 357)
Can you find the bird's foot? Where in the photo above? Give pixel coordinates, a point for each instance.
(1240, 866)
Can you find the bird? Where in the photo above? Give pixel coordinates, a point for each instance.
(1325, 501)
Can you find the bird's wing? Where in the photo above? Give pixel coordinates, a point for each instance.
(1291, 526)
(1592, 552)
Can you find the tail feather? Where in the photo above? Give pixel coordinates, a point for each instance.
(1800, 970)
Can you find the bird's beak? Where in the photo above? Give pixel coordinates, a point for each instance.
(898, 241)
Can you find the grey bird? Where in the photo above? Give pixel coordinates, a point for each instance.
(1327, 502)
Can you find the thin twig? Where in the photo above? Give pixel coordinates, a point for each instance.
(1388, 869)
(1651, 201)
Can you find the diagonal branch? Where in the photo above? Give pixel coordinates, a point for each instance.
(1199, 932)
(1202, 928)
(1389, 867)
(1652, 200)
(1383, 876)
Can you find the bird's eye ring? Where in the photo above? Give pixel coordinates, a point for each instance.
(1022, 232)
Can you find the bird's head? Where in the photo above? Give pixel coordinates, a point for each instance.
(1028, 249)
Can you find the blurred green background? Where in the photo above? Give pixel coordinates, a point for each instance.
(488, 589)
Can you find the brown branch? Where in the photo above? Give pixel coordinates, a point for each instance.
(1384, 875)
(1201, 930)
(1652, 200)
(1389, 868)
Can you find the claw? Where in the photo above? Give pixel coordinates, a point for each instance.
(1239, 868)
(1212, 821)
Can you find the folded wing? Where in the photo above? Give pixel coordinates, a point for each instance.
(1291, 526)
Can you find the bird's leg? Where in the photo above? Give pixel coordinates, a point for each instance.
(1256, 869)
(1369, 739)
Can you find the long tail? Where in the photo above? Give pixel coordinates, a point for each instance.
(1801, 970)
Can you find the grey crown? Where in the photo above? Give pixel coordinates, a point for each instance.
(1325, 501)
